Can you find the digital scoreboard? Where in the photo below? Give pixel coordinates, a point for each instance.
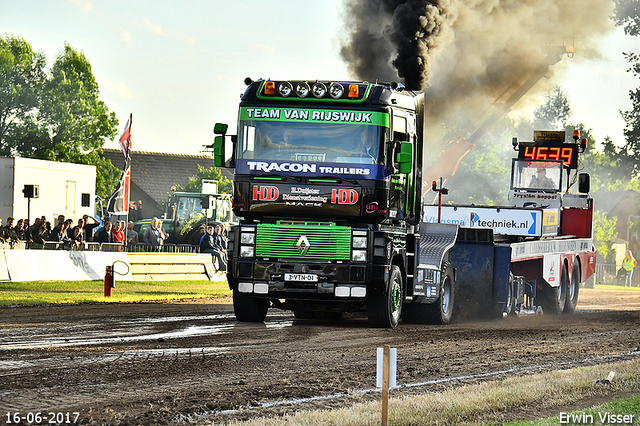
(550, 146)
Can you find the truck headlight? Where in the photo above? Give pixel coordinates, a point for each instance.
(319, 90)
(302, 90)
(359, 242)
(359, 255)
(336, 90)
(285, 88)
(247, 251)
(247, 238)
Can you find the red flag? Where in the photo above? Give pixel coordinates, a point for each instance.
(119, 201)
(125, 138)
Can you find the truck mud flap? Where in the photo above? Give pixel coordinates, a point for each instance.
(435, 240)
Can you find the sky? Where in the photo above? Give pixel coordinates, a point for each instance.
(179, 67)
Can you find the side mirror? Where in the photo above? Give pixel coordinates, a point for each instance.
(584, 183)
(218, 151)
(404, 157)
(220, 128)
(392, 148)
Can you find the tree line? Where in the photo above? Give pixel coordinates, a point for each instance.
(56, 114)
(611, 167)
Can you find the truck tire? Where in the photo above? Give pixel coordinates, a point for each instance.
(573, 289)
(441, 311)
(384, 310)
(248, 308)
(553, 299)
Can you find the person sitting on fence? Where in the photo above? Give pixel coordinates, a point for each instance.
(197, 236)
(218, 242)
(207, 245)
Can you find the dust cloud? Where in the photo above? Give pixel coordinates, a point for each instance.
(466, 54)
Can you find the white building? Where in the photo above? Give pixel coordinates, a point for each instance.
(63, 188)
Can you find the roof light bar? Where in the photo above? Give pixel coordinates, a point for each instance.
(321, 90)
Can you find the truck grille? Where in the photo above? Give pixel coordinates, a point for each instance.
(289, 240)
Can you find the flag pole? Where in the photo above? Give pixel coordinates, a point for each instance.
(125, 240)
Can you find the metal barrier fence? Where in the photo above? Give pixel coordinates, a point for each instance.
(607, 274)
(91, 246)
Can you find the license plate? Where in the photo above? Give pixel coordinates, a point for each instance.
(310, 278)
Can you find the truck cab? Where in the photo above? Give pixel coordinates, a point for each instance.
(327, 191)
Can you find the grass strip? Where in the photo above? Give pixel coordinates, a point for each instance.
(487, 403)
(598, 415)
(616, 287)
(58, 292)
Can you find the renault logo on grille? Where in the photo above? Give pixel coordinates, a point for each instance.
(303, 245)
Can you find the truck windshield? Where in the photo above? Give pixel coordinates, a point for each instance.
(189, 209)
(536, 175)
(311, 142)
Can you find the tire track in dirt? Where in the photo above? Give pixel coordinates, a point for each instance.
(168, 373)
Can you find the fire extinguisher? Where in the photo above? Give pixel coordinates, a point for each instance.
(109, 281)
(110, 277)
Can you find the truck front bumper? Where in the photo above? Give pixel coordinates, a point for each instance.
(309, 281)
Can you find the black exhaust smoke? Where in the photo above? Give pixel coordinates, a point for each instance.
(465, 52)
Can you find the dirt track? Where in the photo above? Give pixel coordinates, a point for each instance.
(162, 363)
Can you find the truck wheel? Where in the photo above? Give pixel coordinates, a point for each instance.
(574, 288)
(553, 299)
(384, 310)
(249, 309)
(441, 311)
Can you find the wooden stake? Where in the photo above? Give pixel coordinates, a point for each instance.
(385, 386)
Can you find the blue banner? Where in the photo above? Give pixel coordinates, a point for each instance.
(307, 169)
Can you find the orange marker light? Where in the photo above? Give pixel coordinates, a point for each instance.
(269, 88)
(353, 90)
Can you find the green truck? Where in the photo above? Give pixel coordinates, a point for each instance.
(328, 186)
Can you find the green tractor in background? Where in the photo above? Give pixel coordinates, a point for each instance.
(186, 211)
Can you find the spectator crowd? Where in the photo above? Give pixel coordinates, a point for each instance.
(65, 234)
